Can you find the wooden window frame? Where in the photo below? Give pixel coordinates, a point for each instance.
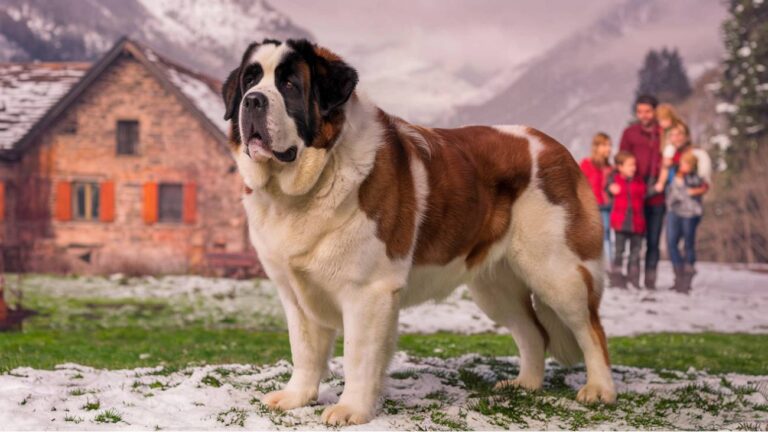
(92, 193)
(160, 198)
(134, 149)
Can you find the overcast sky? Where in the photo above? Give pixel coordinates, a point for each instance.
(446, 30)
(440, 53)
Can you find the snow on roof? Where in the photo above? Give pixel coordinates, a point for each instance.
(28, 90)
(201, 90)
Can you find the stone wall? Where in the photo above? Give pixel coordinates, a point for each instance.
(174, 147)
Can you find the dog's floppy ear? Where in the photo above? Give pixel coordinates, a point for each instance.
(335, 83)
(232, 94)
(333, 80)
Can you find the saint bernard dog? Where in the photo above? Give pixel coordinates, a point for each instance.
(356, 213)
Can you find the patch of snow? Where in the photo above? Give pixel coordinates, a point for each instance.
(724, 299)
(203, 96)
(721, 141)
(213, 397)
(745, 51)
(202, 91)
(28, 90)
(725, 107)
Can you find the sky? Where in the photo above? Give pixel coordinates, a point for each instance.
(441, 52)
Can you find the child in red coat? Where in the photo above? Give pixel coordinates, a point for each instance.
(627, 219)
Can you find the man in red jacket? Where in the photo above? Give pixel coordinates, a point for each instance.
(643, 140)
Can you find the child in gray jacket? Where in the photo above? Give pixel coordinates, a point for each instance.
(684, 210)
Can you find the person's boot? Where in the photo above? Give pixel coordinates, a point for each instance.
(633, 276)
(650, 279)
(616, 278)
(679, 279)
(688, 273)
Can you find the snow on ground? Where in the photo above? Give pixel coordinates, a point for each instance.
(184, 299)
(423, 393)
(724, 299)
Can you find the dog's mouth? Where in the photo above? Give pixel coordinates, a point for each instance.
(258, 148)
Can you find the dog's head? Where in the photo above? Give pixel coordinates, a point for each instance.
(286, 102)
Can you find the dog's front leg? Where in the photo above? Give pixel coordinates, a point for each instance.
(370, 338)
(311, 346)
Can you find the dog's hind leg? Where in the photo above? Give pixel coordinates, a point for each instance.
(507, 300)
(572, 292)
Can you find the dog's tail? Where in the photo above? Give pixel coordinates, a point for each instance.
(562, 343)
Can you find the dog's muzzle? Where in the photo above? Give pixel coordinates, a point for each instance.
(258, 145)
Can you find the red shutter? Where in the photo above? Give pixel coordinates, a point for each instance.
(189, 212)
(2, 201)
(150, 202)
(107, 201)
(63, 201)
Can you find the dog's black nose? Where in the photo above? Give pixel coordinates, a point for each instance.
(256, 101)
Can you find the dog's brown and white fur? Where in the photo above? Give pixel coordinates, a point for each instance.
(355, 214)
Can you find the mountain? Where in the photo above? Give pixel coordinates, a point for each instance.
(209, 36)
(586, 83)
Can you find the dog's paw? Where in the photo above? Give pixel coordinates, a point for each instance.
(343, 414)
(286, 399)
(593, 393)
(528, 384)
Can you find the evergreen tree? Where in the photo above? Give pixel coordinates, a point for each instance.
(663, 75)
(649, 75)
(745, 79)
(676, 79)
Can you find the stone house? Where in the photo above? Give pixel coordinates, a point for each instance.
(118, 166)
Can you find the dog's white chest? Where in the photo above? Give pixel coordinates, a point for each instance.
(320, 258)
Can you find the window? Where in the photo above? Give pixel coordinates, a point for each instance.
(170, 202)
(127, 137)
(85, 201)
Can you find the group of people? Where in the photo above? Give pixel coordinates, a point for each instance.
(658, 178)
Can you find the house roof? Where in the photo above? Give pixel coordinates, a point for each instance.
(29, 90)
(35, 94)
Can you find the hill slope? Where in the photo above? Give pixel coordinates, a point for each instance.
(586, 83)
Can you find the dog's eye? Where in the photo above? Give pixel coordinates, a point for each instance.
(289, 85)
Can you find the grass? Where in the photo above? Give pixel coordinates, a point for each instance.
(92, 405)
(126, 347)
(77, 323)
(232, 417)
(126, 333)
(714, 352)
(73, 419)
(108, 416)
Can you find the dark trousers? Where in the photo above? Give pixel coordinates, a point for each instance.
(635, 243)
(682, 228)
(654, 222)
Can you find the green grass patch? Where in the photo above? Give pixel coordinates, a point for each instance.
(119, 348)
(73, 419)
(108, 416)
(127, 347)
(714, 352)
(232, 417)
(92, 405)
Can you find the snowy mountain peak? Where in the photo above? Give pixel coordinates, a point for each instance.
(209, 36)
